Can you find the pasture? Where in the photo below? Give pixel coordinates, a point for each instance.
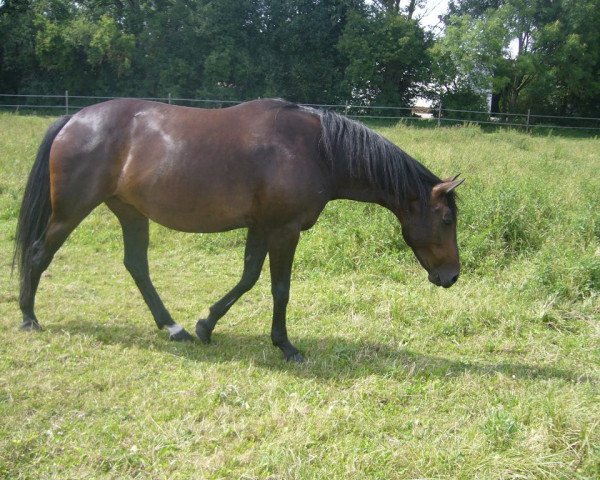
(496, 377)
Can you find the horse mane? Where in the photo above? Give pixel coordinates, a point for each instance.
(371, 157)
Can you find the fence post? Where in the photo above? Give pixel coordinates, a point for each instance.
(528, 114)
(169, 98)
(347, 109)
(440, 113)
(66, 102)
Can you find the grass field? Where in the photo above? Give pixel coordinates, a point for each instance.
(495, 378)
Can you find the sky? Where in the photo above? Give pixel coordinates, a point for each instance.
(431, 11)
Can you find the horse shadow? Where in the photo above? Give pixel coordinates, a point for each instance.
(329, 358)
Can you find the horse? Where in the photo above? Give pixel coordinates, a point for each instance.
(267, 165)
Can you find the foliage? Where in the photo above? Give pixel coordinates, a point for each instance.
(497, 377)
(463, 105)
(222, 49)
(465, 60)
(469, 53)
(570, 80)
(385, 58)
(299, 57)
(537, 54)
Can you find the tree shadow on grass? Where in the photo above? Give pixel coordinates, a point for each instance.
(330, 358)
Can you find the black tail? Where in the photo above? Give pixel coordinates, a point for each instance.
(36, 207)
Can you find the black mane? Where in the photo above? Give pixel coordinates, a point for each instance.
(371, 157)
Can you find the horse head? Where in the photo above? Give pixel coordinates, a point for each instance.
(429, 228)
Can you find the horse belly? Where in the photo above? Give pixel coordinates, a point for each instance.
(210, 219)
(189, 198)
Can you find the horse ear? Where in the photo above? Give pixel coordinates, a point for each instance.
(451, 179)
(446, 186)
(454, 184)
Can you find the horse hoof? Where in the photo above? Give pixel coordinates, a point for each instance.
(294, 358)
(30, 326)
(203, 331)
(181, 336)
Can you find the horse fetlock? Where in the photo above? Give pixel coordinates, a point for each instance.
(181, 336)
(30, 324)
(293, 355)
(290, 353)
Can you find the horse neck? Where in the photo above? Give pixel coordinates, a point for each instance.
(351, 187)
(365, 166)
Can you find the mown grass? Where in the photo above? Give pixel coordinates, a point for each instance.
(497, 377)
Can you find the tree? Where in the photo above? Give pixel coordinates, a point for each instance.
(475, 55)
(548, 56)
(387, 61)
(464, 61)
(305, 50)
(569, 41)
(17, 48)
(395, 7)
(53, 45)
(299, 53)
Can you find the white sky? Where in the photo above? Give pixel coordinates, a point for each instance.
(431, 11)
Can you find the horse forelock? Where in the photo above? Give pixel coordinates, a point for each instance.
(371, 157)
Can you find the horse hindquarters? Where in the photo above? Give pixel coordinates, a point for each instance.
(39, 233)
(67, 182)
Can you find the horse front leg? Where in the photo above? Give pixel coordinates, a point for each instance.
(135, 239)
(282, 244)
(254, 258)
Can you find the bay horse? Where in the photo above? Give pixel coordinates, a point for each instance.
(266, 165)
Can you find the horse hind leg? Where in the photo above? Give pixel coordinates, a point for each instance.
(135, 239)
(39, 257)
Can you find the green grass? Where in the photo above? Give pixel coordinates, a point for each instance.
(495, 378)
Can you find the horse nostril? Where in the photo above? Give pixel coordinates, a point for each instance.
(454, 279)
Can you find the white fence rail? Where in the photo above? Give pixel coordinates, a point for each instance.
(66, 103)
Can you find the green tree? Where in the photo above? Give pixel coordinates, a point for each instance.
(304, 50)
(54, 45)
(475, 57)
(299, 54)
(397, 7)
(569, 82)
(171, 47)
(537, 54)
(387, 60)
(18, 60)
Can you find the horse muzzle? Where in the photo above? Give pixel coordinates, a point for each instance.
(444, 278)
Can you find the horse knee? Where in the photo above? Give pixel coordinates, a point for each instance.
(281, 293)
(135, 269)
(249, 279)
(246, 284)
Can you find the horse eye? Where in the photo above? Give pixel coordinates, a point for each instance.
(447, 219)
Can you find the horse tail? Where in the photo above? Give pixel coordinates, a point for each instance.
(36, 207)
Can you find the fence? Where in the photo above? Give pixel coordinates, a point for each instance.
(66, 103)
